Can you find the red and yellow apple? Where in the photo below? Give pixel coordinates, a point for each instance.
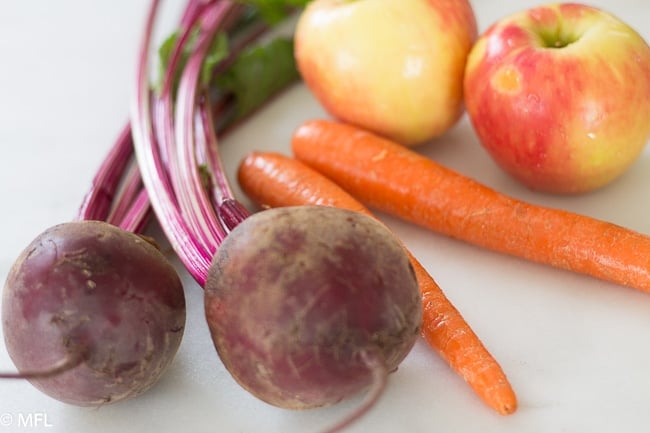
(559, 95)
(394, 67)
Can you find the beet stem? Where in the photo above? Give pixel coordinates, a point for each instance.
(377, 367)
(138, 213)
(153, 170)
(97, 202)
(210, 147)
(198, 215)
(124, 197)
(195, 203)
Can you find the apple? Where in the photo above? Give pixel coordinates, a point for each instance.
(394, 67)
(559, 96)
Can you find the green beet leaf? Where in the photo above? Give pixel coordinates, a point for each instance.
(216, 53)
(274, 11)
(258, 73)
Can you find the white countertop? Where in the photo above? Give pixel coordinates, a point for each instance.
(576, 350)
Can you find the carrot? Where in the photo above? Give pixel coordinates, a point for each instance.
(275, 180)
(401, 182)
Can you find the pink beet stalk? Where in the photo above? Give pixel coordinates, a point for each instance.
(97, 203)
(193, 203)
(153, 171)
(173, 137)
(116, 194)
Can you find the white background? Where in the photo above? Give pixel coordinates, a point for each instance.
(576, 350)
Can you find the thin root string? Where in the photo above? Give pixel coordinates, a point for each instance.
(64, 365)
(379, 371)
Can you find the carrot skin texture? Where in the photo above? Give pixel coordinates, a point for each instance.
(401, 182)
(275, 180)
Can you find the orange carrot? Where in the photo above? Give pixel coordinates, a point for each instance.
(401, 182)
(275, 180)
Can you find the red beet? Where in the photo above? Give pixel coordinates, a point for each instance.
(92, 314)
(309, 305)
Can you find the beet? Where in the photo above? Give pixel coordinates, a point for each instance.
(92, 314)
(309, 305)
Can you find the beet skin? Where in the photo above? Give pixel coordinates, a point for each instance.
(91, 289)
(299, 298)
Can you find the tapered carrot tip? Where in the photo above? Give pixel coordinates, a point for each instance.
(508, 407)
(450, 335)
(502, 399)
(477, 367)
(479, 370)
(488, 380)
